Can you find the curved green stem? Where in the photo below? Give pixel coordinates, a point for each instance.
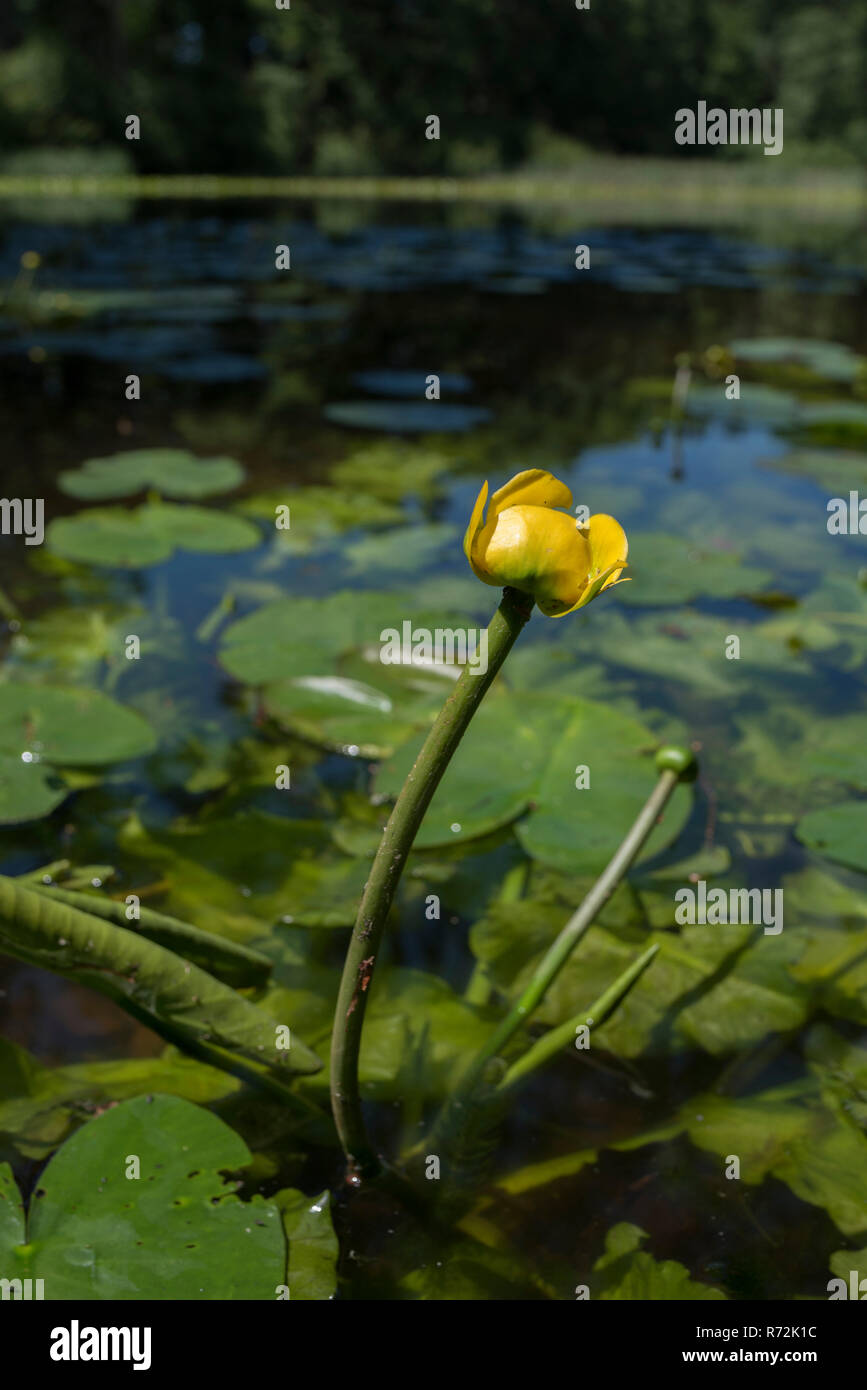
(556, 1038)
(561, 949)
(397, 839)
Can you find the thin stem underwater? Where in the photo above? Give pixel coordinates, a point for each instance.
(562, 947)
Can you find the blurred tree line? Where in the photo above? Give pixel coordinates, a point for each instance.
(344, 86)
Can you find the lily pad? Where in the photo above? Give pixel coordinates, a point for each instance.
(392, 382)
(70, 726)
(829, 361)
(577, 830)
(174, 1232)
(402, 551)
(838, 832)
(689, 649)
(834, 470)
(317, 513)
(567, 828)
(147, 536)
(305, 636)
(172, 472)
(764, 405)
(108, 536)
(313, 1248)
(673, 570)
(835, 422)
(391, 471)
(481, 789)
(407, 417)
(28, 791)
(345, 715)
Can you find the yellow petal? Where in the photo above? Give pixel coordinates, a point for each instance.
(533, 488)
(475, 522)
(608, 546)
(541, 552)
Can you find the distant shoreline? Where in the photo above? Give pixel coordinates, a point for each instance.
(647, 186)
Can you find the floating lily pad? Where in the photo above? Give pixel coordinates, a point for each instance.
(41, 726)
(834, 470)
(407, 417)
(673, 570)
(835, 422)
(391, 470)
(28, 791)
(830, 361)
(103, 536)
(313, 1247)
(305, 636)
(575, 830)
(481, 789)
(756, 404)
(689, 649)
(174, 1232)
(569, 829)
(391, 382)
(148, 535)
(838, 832)
(70, 726)
(316, 512)
(173, 472)
(346, 715)
(402, 551)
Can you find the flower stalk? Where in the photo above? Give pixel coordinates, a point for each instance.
(388, 865)
(562, 947)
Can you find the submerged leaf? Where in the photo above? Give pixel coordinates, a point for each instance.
(626, 1271)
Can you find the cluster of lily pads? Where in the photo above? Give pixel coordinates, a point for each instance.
(508, 845)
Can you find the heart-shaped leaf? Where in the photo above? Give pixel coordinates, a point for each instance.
(134, 1206)
(148, 535)
(173, 472)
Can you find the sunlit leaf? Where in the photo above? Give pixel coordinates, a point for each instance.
(174, 1232)
(173, 472)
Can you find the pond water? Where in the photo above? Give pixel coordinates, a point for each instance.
(741, 633)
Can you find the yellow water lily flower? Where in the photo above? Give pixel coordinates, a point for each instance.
(527, 544)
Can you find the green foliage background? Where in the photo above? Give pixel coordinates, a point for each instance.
(345, 88)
